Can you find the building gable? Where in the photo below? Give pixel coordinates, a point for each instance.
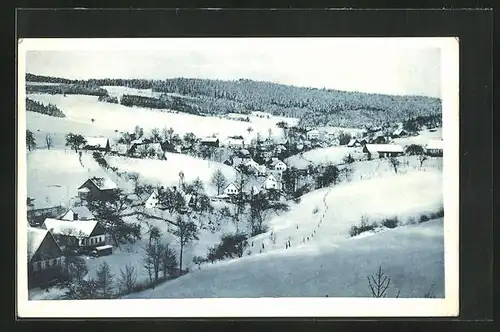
(48, 249)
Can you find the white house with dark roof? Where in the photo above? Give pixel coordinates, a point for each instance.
(152, 201)
(383, 150)
(45, 258)
(313, 134)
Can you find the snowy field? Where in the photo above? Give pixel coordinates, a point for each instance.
(326, 215)
(354, 132)
(412, 256)
(79, 111)
(166, 172)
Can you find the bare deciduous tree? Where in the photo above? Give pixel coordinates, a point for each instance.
(127, 279)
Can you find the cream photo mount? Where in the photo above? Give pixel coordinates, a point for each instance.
(255, 307)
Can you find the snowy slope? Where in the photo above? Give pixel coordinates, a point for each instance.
(166, 172)
(53, 176)
(81, 109)
(412, 256)
(422, 138)
(326, 215)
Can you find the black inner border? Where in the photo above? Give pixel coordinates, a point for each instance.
(473, 28)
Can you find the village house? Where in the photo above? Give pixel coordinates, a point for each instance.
(45, 258)
(383, 150)
(152, 201)
(96, 189)
(210, 142)
(143, 149)
(84, 234)
(271, 183)
(434, 148)
(400, 132)
(277, 165)
(78, 213)
(231, 190)
(378, 139)
(354, 143)
(97, 144)
(260, 170)
(313, 134)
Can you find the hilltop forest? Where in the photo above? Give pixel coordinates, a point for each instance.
(313, 106)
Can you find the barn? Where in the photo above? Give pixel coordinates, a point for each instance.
(210, 142)
(434, 148)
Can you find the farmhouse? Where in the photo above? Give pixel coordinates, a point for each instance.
(152, 201)
(96, 188)
(210, 142)
(259, 169)
(76, 233)
(96, 143)
(78, 213)
(45, 258)
(383, 150)
(434, 148)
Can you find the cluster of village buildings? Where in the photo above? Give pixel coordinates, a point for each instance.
(54, 232)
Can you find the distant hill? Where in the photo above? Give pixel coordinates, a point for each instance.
(313, 106)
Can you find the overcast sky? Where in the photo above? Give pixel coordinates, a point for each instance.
(379, 66)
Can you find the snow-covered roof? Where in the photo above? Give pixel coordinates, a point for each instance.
(98, 142)
(82, 211)
(435, 145)
(103, 183)
(106, 246)
(82, 228)
(210, 139)
(372, 148)
(399, 131)
(314, 131)
(35, 239)
(275, 162)
(137, 141)
(83, 190)
(352, 142)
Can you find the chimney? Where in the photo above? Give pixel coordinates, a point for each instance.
(75, 216)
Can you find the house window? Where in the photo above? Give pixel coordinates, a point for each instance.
(38, 266)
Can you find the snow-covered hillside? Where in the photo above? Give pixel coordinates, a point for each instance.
(82, 109)
(422, 138)
(166, 172)
(412, 256)
(53, 176)
(326, 215)
(334, 154)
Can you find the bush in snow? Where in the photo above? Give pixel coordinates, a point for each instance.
(438, 214)
(231, 246)
(423, 218)
(390, 222)
(100, 159)
(363, 227)
(348, 159)
(315, 210)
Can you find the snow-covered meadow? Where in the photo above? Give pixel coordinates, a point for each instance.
(412, 256)
(80, 110)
